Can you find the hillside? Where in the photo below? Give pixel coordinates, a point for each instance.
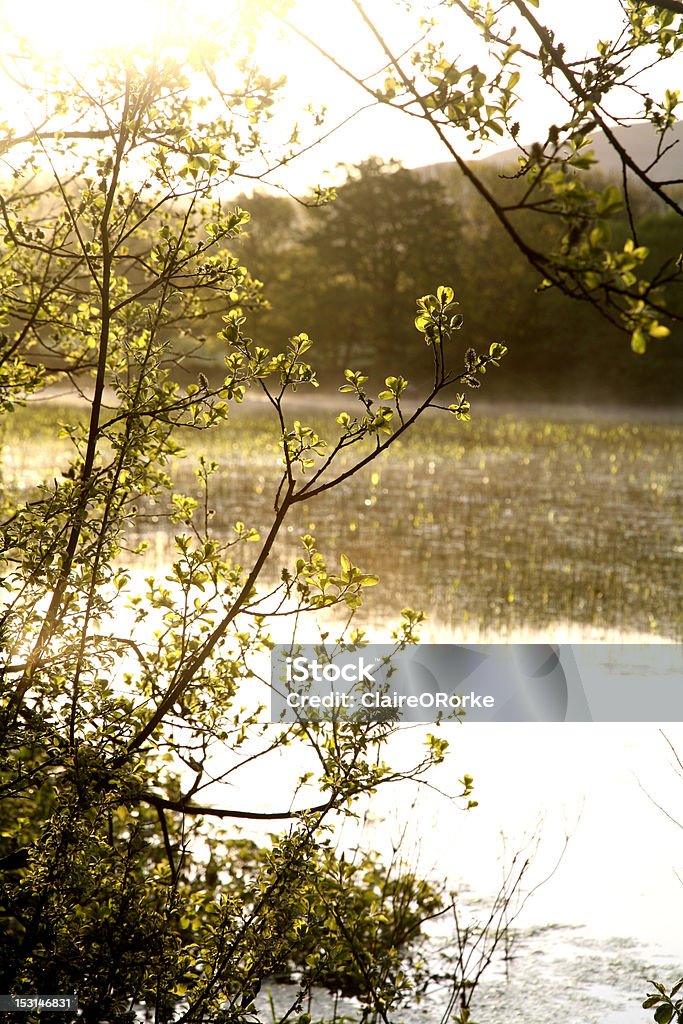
(639, 140)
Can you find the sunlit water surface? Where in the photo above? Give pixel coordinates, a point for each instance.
(513, 528)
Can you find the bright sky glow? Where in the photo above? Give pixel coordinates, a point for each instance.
(337, 27)
(73, 29)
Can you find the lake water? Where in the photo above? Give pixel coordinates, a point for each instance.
(608, 913)
(516, 527)
(506, 526)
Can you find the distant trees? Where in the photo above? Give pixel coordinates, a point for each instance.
(346, 270)
(350, 269)
(387, 233)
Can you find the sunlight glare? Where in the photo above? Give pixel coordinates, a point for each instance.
(73, 29)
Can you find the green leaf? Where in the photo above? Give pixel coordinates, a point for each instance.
(497, 351)
(369, 580)
(610, 201)
(639, 341)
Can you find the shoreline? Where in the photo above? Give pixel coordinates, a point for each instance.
(331, 401)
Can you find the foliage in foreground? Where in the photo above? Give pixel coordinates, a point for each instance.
(124, 700)
(559, 220)
(667, 1007)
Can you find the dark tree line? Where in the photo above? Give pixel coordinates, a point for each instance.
(348, 271)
